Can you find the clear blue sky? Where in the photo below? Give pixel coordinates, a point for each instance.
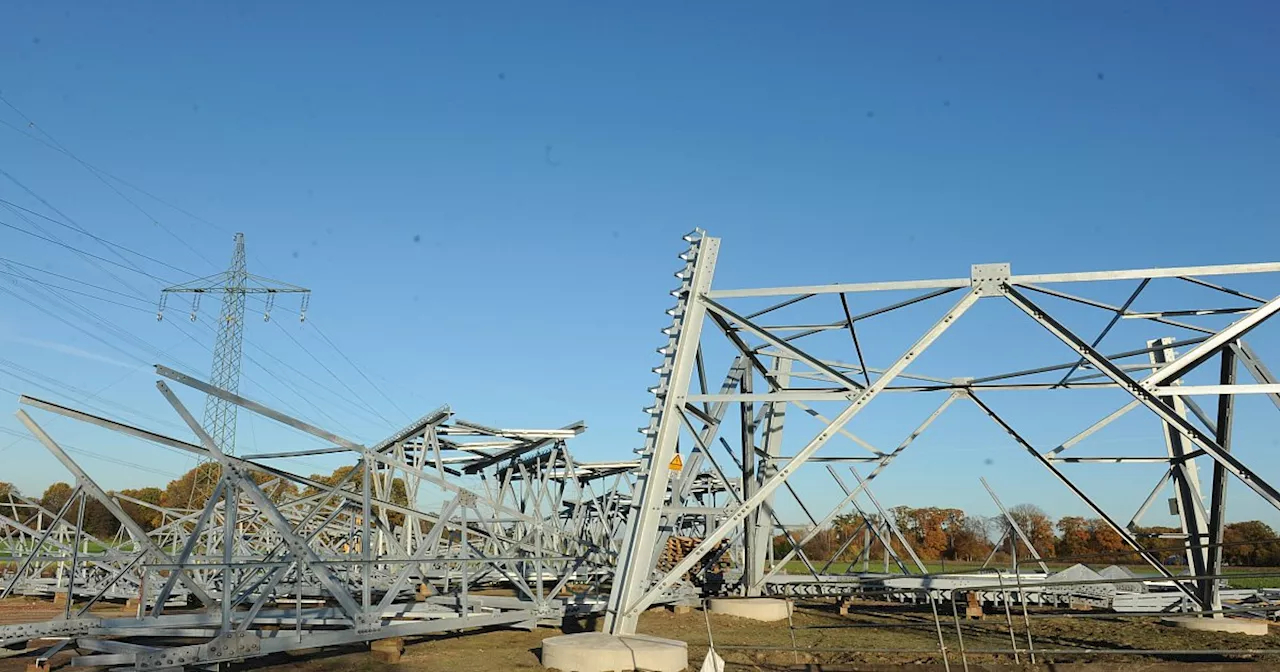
(487, 198)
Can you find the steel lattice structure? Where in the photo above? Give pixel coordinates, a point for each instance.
(400, 543)
(785, 361)
(397, 546)
(235, 285)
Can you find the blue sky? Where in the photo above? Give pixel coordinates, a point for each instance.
(487, 199)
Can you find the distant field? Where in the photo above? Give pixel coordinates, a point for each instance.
(797, 567)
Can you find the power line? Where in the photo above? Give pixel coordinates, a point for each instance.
(75, 391)
(99, 173)
(82, 252)
(41, 229)
(357, 369)
(92, 317)
(128, 337)
(106, 173)
(59, 147)
(142, 345)
(89, 454)
(100, 239)
(94, 172)
(204, 323)
(77, 327)
(76, 291)
(333, 375)
(75, 280)
(148, 348)
(92, 396)
(317, 383)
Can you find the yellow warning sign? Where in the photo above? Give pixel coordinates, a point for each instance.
(676, 463)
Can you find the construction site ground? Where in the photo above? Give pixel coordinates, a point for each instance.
(908, 630)
(1249, 580)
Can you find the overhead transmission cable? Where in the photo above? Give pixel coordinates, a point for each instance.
(81, 451)
(138, 343)
(350, 405)
(129, 337)
(37, 269)
(49, 234)
(357, 368)
(54, 144)
(33, 378)
(93, 171)
(206, 323)
(82, 252)
(332, 374)
(11, 205)
(76, 291)
(99, 173)
(90, 316)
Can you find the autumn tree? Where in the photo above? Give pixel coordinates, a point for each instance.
(1104, 542)
(1161, 541)
(923, 529)
(1251, 543)
(146, 517)
(1036, 524)
(1073, 537)
(780, 545)
(55, 496)
(969, 540)
(193, 488)
(98, 519)
(848, 528)
(399, 494)
(337, 475)
(7, 489)
(822, 546)
(278, 490)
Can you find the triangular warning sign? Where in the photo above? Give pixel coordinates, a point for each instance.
(676, 463)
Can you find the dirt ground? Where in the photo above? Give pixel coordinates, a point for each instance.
(905, 635)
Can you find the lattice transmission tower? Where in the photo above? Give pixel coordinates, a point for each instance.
(235, 285)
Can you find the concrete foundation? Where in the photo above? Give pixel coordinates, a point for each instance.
(599, 652)
(1243, 626)
(756, 608)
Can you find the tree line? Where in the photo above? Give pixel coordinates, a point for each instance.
(934, 533)
(950, 534)
(189, 491)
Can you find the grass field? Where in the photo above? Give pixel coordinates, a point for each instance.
(935, 567)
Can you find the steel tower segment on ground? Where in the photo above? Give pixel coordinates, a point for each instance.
(277, 561)
(683, 407)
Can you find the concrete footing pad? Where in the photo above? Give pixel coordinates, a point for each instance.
(756, 608)
(1241, 626)
(599, 652)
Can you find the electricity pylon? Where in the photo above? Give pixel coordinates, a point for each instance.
(234, 284)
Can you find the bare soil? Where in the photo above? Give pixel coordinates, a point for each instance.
(885, 637)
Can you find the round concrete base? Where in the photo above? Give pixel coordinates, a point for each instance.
(1238, 625)
(598, 652)
(756, 608)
